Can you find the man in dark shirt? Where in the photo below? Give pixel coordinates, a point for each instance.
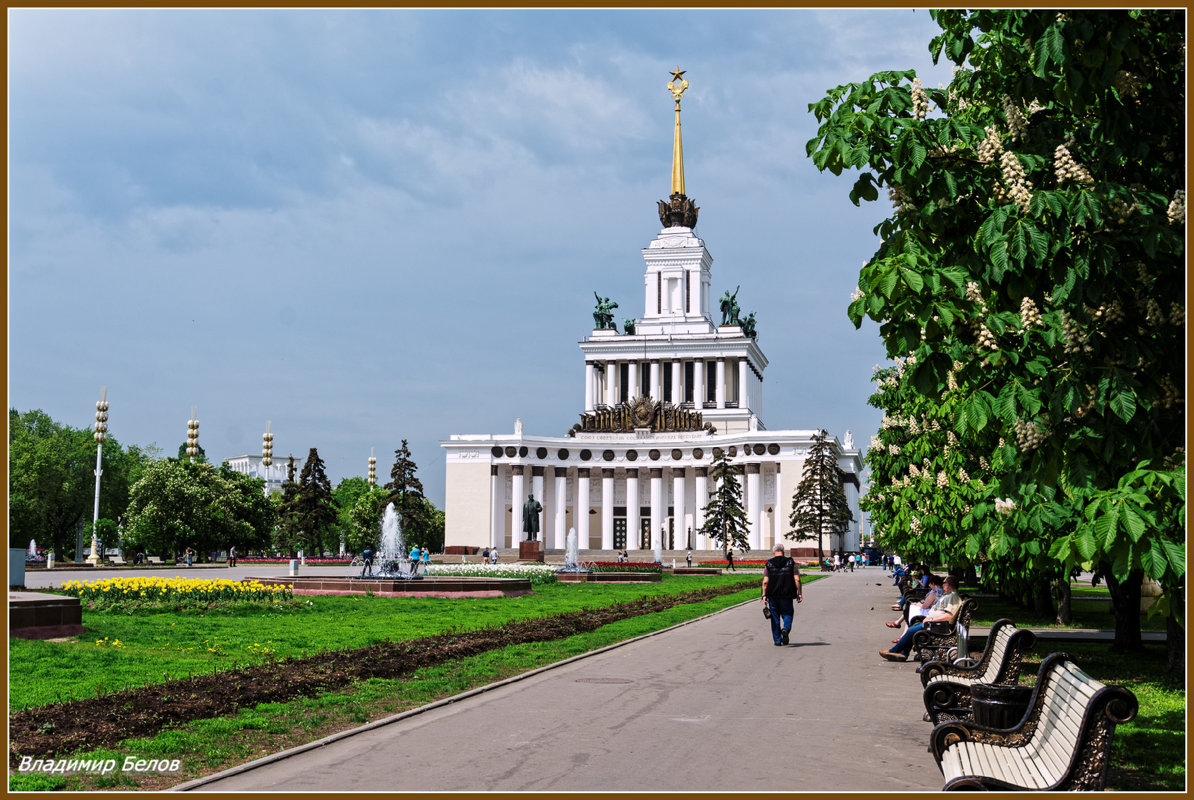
(781, 584)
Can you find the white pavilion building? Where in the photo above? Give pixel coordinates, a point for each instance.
(658, 400)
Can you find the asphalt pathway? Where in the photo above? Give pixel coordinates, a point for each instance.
(711, 705)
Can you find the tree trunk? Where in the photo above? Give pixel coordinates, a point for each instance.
(1125, 605)
(1042, 599)
(1064, 612)
(1175, 635)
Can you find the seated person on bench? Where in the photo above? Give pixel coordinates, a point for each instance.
(945, 611)
(922, 608)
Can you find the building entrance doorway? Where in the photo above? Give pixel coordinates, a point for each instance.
(619, 533)
(644, 533)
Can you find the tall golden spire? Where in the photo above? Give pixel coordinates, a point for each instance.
(678, 210)
(677, 85)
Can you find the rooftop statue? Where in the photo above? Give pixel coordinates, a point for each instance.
(628, 326)
(603, 315)
(748, 326)
(730, 307)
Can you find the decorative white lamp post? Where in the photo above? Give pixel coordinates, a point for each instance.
(101, 433)
(267, 454)
(372, 469)
(193, 434)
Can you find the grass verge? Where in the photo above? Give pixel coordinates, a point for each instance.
(209, 745)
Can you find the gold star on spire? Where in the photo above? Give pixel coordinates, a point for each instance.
(678, 73)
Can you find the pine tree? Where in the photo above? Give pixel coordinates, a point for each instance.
(819, 505)
(309, 512)
(725, 519)
(287, 533)
(406, 493)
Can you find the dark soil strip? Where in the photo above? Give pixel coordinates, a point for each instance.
(104, 721)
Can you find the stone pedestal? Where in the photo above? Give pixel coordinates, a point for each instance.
(530, 551)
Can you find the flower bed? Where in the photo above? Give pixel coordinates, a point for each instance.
(535, 573)
(753, 562)
(158, 593)
(622, 566)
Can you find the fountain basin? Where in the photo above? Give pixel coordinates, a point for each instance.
(429, 586)
(609, 577)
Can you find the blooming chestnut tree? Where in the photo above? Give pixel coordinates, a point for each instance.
(1030, 286)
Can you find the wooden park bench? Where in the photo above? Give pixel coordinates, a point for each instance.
(153, 559)
(947, 684)
(117, 561)
(936, 639)
(1063, 741)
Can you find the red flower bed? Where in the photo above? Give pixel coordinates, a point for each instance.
(622, 566)
(286, 560)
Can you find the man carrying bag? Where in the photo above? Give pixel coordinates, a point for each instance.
(781, 585)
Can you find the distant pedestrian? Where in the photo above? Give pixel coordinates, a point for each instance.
(426, 557)
(837, 562)
(190, 556)
(414, 554)
(232, 556)
(781, 584)
(139, 558)
(730, 559)
(494, 555)
(485, 555)
(688, 558)
(367, 558)
(851, 561)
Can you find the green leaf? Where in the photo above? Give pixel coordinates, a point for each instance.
(918, 154)
(887, 281)
(1134, 524)
(1084, 541)
(1124, 405)
(1153, 560)
(1104, 528)
(1176, 552)
(913, 279)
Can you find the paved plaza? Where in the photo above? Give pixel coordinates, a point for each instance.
(708, 706)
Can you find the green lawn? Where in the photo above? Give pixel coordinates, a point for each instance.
(1148, 753)
(157, 647)
(206, 746)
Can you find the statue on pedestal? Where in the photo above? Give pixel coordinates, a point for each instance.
(628, 326)
(603, 315)
(729, 307)
(530, 517)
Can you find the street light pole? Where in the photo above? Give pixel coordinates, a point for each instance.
(267, 454)
(193, 434)
(101, 433)
(372, 469)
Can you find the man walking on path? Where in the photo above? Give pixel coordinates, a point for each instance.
(781, 583)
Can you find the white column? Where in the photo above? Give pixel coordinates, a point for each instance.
(561, 508)
(754, 507)
(743, 401)
(657, 509)
(676, 375)
(496, 507)
(632, 505)
(698, 388)
(580, 509)
(698, 512)
(655, 386)
(678, 509)
(632, 380)
(607, 509)
(590, 390)
(517, 498)
(781, 515)
(610, 383)
(720, 388)
(537, 490)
